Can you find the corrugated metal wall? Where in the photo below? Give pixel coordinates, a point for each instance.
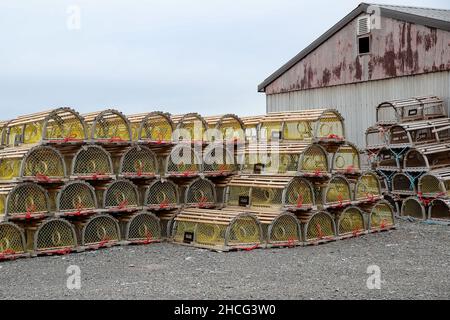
(358, 102)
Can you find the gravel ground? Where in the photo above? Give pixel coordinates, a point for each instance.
(414, 262)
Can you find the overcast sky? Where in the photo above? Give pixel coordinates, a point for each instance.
(179, 56)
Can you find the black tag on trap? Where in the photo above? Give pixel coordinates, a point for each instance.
(188, 237)
(258, 168)
(244, 201)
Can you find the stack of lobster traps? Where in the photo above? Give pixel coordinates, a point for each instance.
(410, 148)
(299, 182)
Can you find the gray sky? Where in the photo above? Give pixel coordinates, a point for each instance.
(205, 56)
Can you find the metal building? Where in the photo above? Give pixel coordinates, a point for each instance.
(375, 53)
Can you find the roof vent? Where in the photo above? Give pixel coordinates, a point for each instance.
(363, 25)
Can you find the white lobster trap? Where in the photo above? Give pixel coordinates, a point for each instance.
(154, 128)
(139, 162)
(411, 109)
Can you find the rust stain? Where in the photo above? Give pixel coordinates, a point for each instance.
(358, 69)
(337, 71)
(430, 39)
(326, 77)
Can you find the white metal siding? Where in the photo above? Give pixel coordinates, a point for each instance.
(358, 102)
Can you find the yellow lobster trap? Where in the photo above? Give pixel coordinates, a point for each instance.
(319, 227)
(76, 198)
(98, 231)
(304, 159)
(190, 128)
(219, 160)
(251, 125)
(435, 184)
(152, 128)
(139, 162)
(92, 162)
(270, 193)
(381, 217)
(108, 127)
(413, 207)
(121, 196)
(162, 195)
(63, 125)
(200, 193)
(217, 229)
(51, 236)
(439, 210)
(336, 193)
(43, 164)
(12, 241)
(228, 128)
(320, 125)
(346, 160)
(167, 218)
(27, 201)
(351, 222)
(427, 158)
(368, 188)
(411, 109)
(141, 228)
(280, 229)
(183, 162)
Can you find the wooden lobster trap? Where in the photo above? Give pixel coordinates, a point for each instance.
(219, 160)
(280, 229)
(76, 198)
(346, 160)
(108, 127)
(200, 193)
(414, 207)
(97, 231)
(411, 134)
(251, 125)
(403, 184)
(167, 218)
(139, 163)
(334, 194)
(317, 125)
(140, 228)
(381, 216)
(42, 164)
(52, 236)
(270, 193)
(12, 242)
(319, 227)
(412, 109)
(376, 138)
(428, 157)
(154, 128)
(27, 201)
(304, 159)
(190, 128)
(162, 195)
(92, 162)
(183, 162)
(435, 184)
(367, 188)
(120, 196)
(439, 210)
(351, 222)
(228, 128)
(58, 126)
(217, 230)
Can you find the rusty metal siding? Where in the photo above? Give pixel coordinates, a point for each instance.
(398, 49)
(357, 102)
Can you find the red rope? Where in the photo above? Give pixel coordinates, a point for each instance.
(300, 201)
(317, 172)
(30, 211)
(115, 139)
(64, 251)
(202, 202)
(123, 204)
(249, 248)
(164, 204)
(103, 243)
(42, 177)
(319, 231)
(7, 254)
(370, 197)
